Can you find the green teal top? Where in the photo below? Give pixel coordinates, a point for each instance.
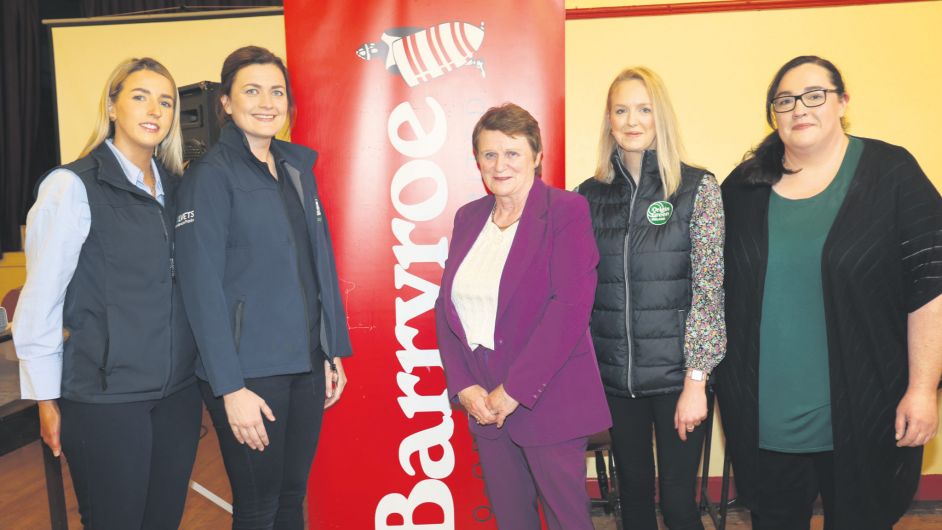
(794, 385)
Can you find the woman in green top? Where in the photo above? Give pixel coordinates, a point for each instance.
(834, 277)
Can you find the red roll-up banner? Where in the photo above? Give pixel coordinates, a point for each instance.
(388, 91)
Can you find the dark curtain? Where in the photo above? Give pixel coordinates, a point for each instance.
(27, 123)
(19, 114)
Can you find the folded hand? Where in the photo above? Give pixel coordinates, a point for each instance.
(474, 400)
(502, 404)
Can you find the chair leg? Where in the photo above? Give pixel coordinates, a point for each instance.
(602, 475)
(707, 446)
(614, 497)
(724, 494)
(55, 491)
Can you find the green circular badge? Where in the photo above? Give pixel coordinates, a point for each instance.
(660, 212)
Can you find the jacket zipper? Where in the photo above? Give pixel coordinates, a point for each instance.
(631, 207)
(322, 321)
(173, 279)
(102, 370)
(240, 310)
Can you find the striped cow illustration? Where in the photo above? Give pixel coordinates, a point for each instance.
(419, 55)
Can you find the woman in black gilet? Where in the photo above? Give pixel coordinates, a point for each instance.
(657, 323)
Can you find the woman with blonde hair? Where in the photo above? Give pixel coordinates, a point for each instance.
(118, 395)
(657, 321)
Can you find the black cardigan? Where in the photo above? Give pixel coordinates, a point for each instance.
(882, 259)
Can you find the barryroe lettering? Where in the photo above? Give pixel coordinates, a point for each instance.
(435, 440)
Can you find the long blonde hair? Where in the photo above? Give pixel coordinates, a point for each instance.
(170, 150)
(670, 150)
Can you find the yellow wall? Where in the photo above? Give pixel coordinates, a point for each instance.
(192, 50)
(889, 55)
(12, 273)
(717, 67)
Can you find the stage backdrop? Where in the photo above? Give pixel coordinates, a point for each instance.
(388, 93)
(192, 45)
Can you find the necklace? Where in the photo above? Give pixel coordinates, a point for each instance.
(506, 226)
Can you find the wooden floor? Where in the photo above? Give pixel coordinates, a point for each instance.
(23, 489)
(23, 496)
(923, 516)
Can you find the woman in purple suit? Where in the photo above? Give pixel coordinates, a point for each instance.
(513, 329)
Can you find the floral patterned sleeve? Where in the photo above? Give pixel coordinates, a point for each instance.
(705, 336)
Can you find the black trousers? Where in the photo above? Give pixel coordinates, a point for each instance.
(268, 487)
(131, 462)
(789, 483)
(677, 463)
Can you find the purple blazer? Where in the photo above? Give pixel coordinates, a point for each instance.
(543, 352)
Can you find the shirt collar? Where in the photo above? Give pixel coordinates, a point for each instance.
(135, 175)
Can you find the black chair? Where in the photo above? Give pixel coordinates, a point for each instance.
(600, 445)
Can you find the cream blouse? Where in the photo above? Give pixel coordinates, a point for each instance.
(477, 283)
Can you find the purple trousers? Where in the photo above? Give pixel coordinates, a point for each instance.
(516, 476)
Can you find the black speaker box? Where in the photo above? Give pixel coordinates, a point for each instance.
(198, 118)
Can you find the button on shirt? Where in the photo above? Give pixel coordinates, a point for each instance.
(56, 228)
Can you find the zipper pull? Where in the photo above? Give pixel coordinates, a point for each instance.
(317, 207)
(103, 378)
(173, 269)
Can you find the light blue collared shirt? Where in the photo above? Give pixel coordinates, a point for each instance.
(135, 175)
(56, 228)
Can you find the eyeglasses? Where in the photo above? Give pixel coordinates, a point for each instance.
(811, 98)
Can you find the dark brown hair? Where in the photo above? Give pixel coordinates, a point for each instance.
(511, 120)
(239, 59)
(763, 164)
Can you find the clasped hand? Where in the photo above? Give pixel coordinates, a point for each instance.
(488, 408)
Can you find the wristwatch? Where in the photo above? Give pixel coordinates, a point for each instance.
(697, 375)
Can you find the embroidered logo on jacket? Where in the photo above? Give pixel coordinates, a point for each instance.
(185, 218)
